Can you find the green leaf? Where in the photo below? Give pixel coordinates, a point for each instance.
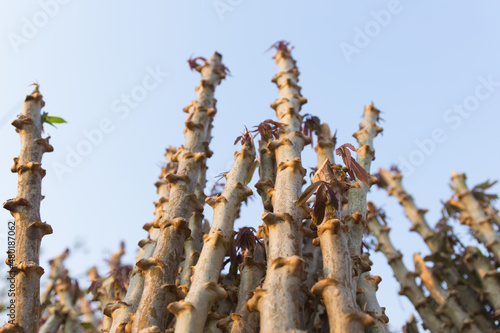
(55, 120)
(308, 192)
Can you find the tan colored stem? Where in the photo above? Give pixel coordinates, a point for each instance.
(278, 300)
(484, 230)
(265, 186)
(253, 267)
(448, 306)
(54, 321)
(414, 214)
(56, 271)
(103, 290)
(357, 193)
(488, 276)
(65, 312)
(493, 214)
(68, 295)
(267, 174)
(120, 311)
(357, 204)
(467, 297)
(160, 271)
(194, 243)
(409, 287)
(312, 253)
(25, 209)
(324, 149)
(337, 286)
(252, 271)
(314, 265)
(56, 313)
(411, 326)
(87, 312)
(326, 145)
(367, 300)
(191, 313)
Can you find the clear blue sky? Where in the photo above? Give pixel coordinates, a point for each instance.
(416, 60)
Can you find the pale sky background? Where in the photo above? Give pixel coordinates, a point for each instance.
(427, 57)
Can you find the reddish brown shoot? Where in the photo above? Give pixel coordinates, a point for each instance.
(312, 124)
(281, 45)
(223, 69)
(193, 63)
(37, 87)
(353, 167)
(268, 129)
(246, 239)
(245, 138)
(326, 198)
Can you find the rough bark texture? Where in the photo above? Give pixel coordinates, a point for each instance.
(366, 297)
(120, 311)
(56, 271)
(482, 225)
(312, 253)
(448, 306)
(177, 284)
(194, 243)
(103, 288)
(56, 315)
(254, 262)
(252, 271)
(409, 287)
(488, 276)
(337, 286)
(25, 209)
(68, 295)
(64, 311)
(467, 297)
(411, 326)
(368, 129)
(341, 239)
(160, 271)
(191, 313)
(267, 174)
(357, 203)
(278, 300)
(414, 214)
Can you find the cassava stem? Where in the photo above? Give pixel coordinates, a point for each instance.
(25, 209)
(160, 271)
(409, 287)
(191, 313)
(278, 300)
(120, 310)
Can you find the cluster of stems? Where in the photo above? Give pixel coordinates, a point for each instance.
(460, 286)
(304, 270)
(340, 237)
